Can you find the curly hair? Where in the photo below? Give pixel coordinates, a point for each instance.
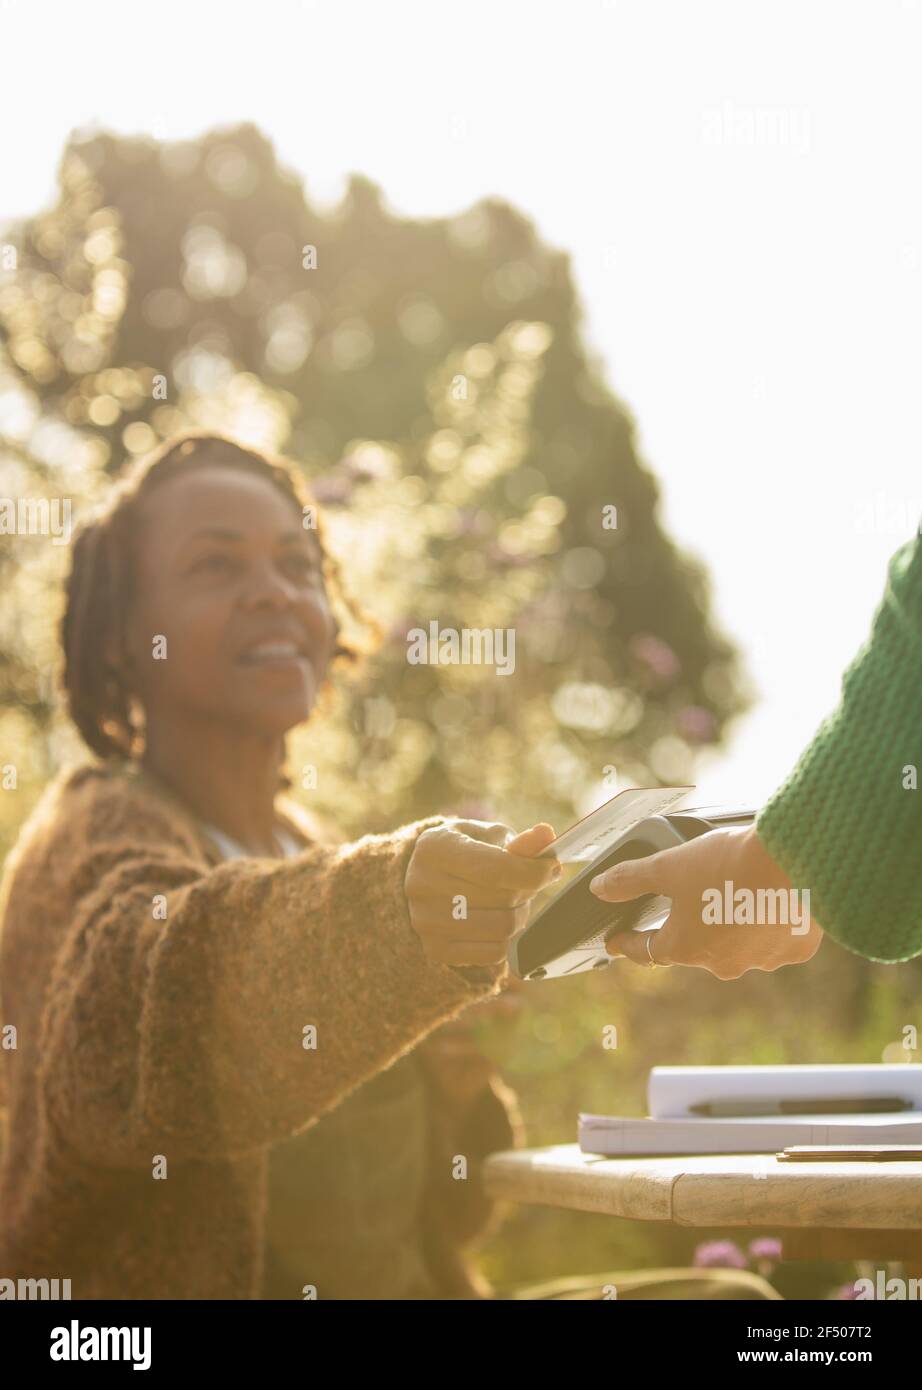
(102, 579)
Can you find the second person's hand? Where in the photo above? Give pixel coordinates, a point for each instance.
(685, 874)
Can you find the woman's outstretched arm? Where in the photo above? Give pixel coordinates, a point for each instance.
(196, 1011)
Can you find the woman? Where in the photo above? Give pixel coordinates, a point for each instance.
(185, 997)
(845, 826)
(222, 1085)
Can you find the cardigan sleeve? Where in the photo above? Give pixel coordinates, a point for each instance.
(847, 822)
(198, 1012)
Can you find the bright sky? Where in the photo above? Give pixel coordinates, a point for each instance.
(737, 182)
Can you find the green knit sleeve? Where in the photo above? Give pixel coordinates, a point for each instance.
(847, 822)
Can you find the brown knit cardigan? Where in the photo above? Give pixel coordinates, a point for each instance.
(160, 997)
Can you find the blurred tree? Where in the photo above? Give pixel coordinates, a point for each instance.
(430, 379)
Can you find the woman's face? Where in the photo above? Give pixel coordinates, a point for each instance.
(229, 576)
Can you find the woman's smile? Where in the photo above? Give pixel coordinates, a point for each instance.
(274, 655)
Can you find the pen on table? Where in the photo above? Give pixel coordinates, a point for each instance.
(839, 1105)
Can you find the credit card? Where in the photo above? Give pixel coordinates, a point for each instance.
(592, 835)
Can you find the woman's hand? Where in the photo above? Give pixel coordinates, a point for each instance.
(469, 885)
(695, 876)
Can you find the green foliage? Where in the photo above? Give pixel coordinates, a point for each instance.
(430, 379)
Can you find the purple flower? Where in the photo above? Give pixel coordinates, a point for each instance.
(330, 490)
(766, 1248)
(697, 724)
(471, 521)
(846, 1291)
(656, 655)
(719, 1254)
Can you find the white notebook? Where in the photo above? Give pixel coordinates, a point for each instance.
(607, 1134)
(671, 1091)
(674, 1127)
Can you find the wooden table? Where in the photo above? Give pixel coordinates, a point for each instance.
(822, 1211)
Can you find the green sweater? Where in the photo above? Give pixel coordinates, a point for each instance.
(847, 822)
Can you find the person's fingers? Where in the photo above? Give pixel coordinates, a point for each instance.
(443, 889)
(476, 862)
(533, 841)
(626, 944)
(431, 917)
(526, 843)
(489, 832)
(633, 946)
(633, 877)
